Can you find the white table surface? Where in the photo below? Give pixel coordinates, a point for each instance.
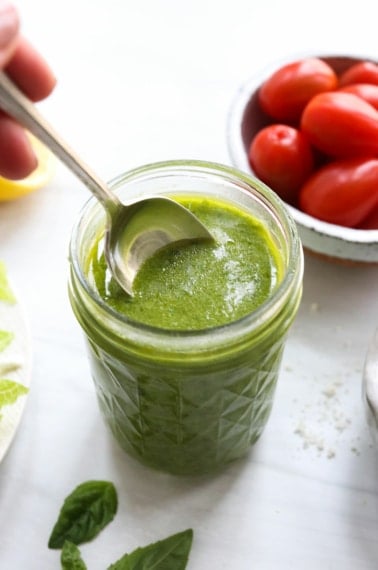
(148, 80)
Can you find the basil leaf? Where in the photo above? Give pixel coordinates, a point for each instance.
(5, 339)
(10, 391)
(85, 512)
(70, 558)
(6, 294)
(172, 553)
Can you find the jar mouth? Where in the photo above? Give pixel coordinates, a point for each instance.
(246, 185)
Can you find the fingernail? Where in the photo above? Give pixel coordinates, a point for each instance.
(9, 23)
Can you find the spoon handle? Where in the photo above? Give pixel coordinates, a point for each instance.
(18, 106)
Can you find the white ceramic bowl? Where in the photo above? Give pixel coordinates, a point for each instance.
(245, 120)
(370, 386)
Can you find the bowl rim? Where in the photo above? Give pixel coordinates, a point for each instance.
(370, 385)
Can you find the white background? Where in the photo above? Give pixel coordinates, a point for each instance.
(148, 80)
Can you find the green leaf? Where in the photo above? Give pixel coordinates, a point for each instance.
(10, 391)
(70, 558)
(5, 339)
(6, 293)
(85, 512)
(172, 553)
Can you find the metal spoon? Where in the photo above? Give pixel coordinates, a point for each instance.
(134, 231)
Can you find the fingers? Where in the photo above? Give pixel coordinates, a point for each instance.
(34, 77)
(30, 71)
(9, 27)
(17, 159)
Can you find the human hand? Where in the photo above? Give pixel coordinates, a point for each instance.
(29, 70)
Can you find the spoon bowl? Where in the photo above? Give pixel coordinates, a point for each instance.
(139, 229)
(134, 231)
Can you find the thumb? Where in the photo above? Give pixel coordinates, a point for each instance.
(9, 27)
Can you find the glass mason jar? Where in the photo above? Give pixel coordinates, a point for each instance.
(187, 402)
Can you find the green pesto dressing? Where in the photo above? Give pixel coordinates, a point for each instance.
(202, 285)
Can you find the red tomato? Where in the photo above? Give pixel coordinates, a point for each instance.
(282, 158)
(343, 192)
(366, 91)
(341, 125)
(371, 222)
(362, 72)
(284, 94)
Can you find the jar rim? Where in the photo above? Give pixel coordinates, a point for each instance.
(263, 313)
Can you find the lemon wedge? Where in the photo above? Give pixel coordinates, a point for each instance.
(12, 189)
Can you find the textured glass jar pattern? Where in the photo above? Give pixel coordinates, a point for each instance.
(188, 403)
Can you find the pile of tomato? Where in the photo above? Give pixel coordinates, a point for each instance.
(319, 150)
